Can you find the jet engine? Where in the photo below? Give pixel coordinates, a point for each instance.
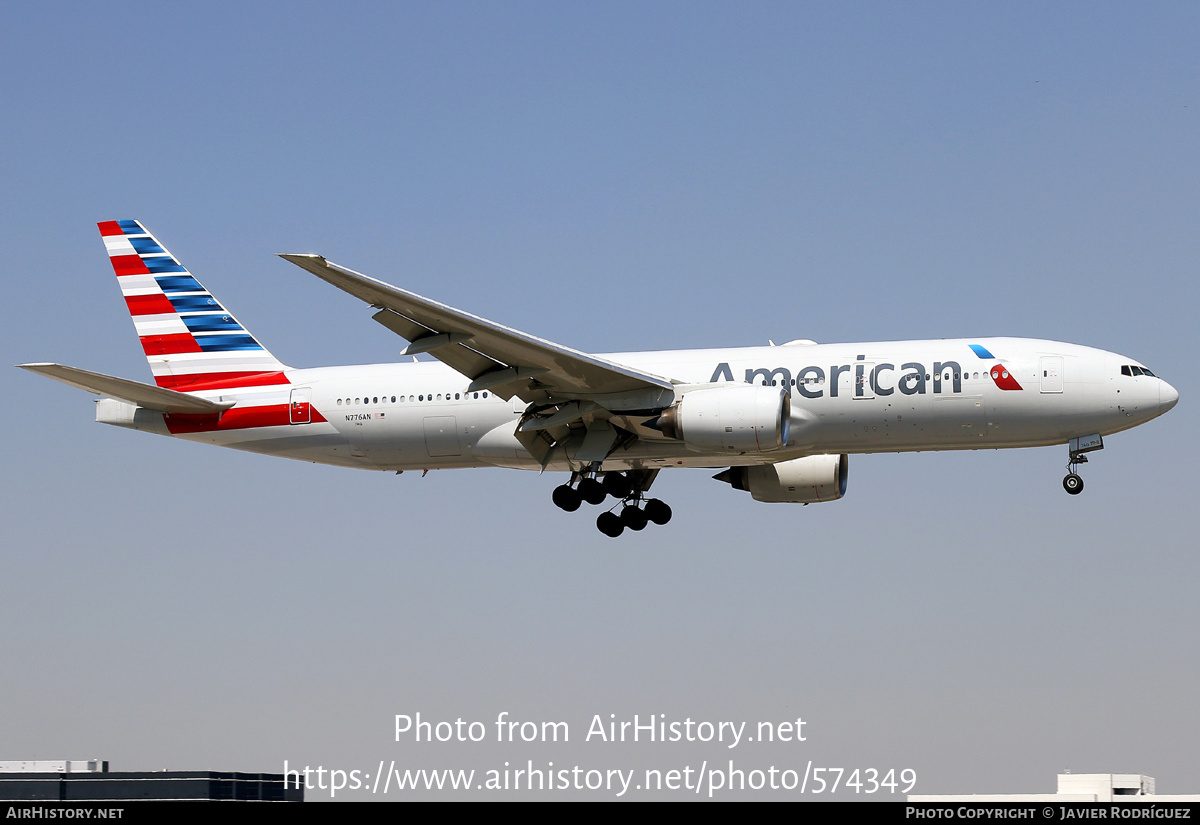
(742, 418)
(799, 481)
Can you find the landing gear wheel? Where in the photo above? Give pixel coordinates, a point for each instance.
(634, 517)
(566, 498)
(610, 524)
(657, 511)
(1073, 484)
(592, 491)
(617, 485)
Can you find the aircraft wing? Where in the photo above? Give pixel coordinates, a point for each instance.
(506, 361)
(144, 395)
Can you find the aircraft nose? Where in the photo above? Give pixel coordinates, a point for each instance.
(1167, 396)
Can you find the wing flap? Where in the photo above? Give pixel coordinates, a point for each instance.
(461, 358)
(135, 392)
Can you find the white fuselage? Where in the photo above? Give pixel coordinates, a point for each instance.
(846, 398)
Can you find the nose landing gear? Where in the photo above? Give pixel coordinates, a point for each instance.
(1076, 448)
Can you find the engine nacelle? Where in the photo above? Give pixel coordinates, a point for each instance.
(742, 418)
(798, 481)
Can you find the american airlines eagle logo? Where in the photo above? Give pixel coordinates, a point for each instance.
(1003, 378)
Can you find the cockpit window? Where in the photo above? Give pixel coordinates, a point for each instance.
(1125, 370)
(1130, 370)
(1147, 372)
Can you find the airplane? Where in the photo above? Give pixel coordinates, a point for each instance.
(778, 421)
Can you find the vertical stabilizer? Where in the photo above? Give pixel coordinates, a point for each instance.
(191, 341)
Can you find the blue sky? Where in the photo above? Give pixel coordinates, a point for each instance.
(611, 177)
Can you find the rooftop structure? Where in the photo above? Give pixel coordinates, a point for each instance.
(1076, 787)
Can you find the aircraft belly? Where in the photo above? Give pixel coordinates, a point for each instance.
(320, 443)
(433, 436)
(318, 449)
(499, 447)
(1029, 419)
(960, 419)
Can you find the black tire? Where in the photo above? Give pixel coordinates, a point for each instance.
(592, 491)
(634, 518)
(657, 511)
(566, 498)
(617, 485)
(609, 523)
(1073, 484)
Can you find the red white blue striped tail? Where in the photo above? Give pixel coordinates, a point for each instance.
(191, 341)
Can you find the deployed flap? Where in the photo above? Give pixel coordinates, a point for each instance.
(598, 443)
(144, 395)
(509, 361)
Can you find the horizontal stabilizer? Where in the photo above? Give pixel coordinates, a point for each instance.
(144, 395)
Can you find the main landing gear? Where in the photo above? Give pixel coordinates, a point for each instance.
(1076, 448)
(629, 488)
